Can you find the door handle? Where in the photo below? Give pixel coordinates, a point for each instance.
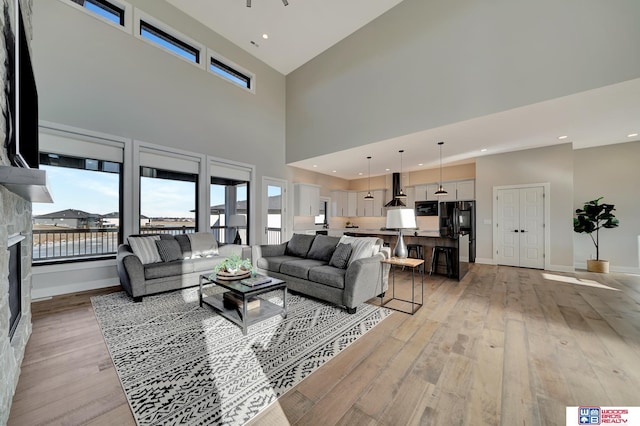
(515, 230)
(522, 230)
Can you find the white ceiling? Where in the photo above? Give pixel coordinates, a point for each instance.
(297, 32)
(305, 28)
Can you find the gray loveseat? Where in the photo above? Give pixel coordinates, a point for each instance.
(305, 263)
(151, 264)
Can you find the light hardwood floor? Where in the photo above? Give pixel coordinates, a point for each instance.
(503, 346)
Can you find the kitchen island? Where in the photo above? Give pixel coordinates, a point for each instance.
(428, 240)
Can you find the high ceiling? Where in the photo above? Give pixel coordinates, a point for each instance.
(305, 28)
(297, 32)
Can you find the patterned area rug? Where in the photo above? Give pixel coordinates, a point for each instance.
(182, 364)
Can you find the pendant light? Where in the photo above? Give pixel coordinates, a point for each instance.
(400, 194)
(369, 196)
(440, 191)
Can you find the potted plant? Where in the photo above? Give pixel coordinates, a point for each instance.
(233, 266)
(590, 219)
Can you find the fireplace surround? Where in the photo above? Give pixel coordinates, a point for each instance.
(15, 231)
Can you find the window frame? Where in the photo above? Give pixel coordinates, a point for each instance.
(127, 20)
(140, 17)
(120, 235)
(233, 67)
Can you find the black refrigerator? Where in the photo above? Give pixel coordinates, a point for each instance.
(459, 218)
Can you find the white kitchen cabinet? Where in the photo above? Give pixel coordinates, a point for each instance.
(339, 203)
(307, 199)
(411, 197)
(431, 191)
(450, 187)
(352, 203)
(379, 202)
(364, 206)
(466, 190)
(420, 192)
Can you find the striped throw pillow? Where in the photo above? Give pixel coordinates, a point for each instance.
(145, 248)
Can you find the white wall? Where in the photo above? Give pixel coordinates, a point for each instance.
(424, 64)
(93, 76)
(611, 172)
(553, 165)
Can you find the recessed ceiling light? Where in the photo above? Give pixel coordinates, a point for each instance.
(315, 165)
(420, 164)
(359, 173)
(386, 170)
(265, 36)
(483, 150)
(334, 171)
(563, 137)
(632, 135)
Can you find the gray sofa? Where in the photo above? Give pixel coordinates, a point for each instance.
(305, 264)
(177, 264)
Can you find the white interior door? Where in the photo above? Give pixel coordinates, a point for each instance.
(274, 202)
(520, 226)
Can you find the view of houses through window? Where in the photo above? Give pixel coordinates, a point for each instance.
(167, 201)
(83, 221)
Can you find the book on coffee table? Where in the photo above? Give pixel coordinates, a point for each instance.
(236, 301)
(255, 281)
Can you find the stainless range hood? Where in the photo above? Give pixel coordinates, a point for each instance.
(396, 202)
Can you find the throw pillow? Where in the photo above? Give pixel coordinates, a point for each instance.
(299, 245)
(340, 257)
(362, 246)
(145, 248)
(203, 244)
(323, 247)
(169, 250)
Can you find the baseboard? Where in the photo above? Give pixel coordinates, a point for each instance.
(48, 292)
(612, 268)
(560, 268)
(485, 261)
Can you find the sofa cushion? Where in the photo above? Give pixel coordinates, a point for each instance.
(300, 268)
(323, 247)
(145, 248)
(273, 263)
(167, 269)
(328, 275)
(340, 257)
(299, 245)
(205, 264)
(169, 250)
(203, 244)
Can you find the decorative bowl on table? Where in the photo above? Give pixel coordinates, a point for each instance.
(233, 268)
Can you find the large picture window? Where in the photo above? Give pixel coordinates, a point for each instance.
(83, 223)
(167, 201)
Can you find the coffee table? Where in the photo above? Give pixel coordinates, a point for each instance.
(241, 315)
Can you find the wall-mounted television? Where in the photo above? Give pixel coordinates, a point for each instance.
(21, 109)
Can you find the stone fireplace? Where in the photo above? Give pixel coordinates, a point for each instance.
(15, 221)
(15, 231)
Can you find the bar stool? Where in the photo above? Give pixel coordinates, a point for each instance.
(448, 257)
(419, 254)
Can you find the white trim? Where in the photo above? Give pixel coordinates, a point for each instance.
(559, 268)
(14, 239)
(140, 15)
(252, 76)
(485, 261)
(547, 218)
(128, 15)
(612, 268)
